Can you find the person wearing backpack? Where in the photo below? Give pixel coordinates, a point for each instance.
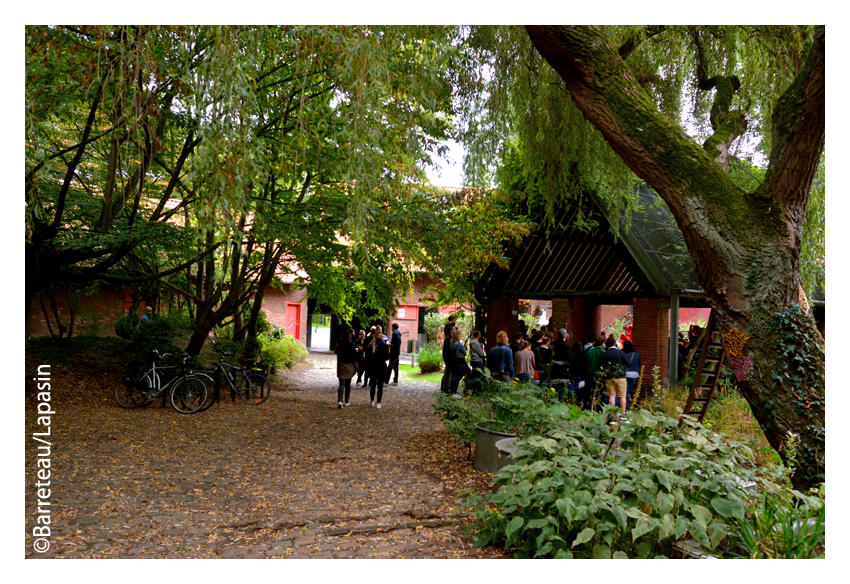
(614, 364)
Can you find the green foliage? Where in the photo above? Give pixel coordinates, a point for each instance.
(800, 360)
(429, 357)
(282, 353)
(434, 324)
(729, 414)
(618, 327)
(783, 526)
(164, 333)
(125, 326)
(568, 495)
(460, 416)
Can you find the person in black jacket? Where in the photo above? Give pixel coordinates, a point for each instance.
(543, 356)
(514, 344)
(395, 353)
(377, 353)
(458, 355)
(359, 346)
(562, 360)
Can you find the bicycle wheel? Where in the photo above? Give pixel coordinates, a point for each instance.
(254, 388)
(188, 395)
(210, 384)
(132, 395)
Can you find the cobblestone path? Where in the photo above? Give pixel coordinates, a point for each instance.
(294, 477)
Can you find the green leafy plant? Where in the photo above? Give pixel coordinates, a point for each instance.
(165, 333)
(591, 488)
(282, 353)
(779, 528)
(434, 323)
(429, 357)
(460, 416)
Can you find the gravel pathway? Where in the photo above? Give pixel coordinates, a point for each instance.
(294, 477)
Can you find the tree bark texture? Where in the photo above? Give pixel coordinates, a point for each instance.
(745, 245)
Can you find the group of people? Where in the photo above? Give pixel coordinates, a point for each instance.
(373, 358)
(584, 368)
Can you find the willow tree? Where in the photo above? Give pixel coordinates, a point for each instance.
(598, 108)
(254, 144)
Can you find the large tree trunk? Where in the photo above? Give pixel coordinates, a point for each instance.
(745, 246)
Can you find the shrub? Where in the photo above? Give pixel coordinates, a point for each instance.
(124, 327)
(430, 357)
(283, 353)
(460, 416)
(566, 496)
(165, 333)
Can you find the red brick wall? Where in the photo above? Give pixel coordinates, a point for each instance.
(274, 305)
(578, 314)
(96, 315)
(409, 325)
(419, 299)
(502, 316)
(650, 335)
(607, 313)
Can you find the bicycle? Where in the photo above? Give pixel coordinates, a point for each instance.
(250, 382)
(138, 387)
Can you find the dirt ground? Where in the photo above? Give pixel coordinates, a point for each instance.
(293, 477)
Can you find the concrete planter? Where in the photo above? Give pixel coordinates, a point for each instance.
(486, 455)
(505, 448)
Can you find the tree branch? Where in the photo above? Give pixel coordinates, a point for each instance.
(633, 42)
(66, 184)
(799, 132)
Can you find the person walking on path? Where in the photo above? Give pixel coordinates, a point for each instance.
(360, 346)
(632, 368)
(524, 361)
(501, 359)
(476, 351)
(614, 363)
(346, 356)
(378, 355)
(367, 359)
(395, 353)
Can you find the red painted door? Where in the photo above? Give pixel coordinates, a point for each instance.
(293, 320)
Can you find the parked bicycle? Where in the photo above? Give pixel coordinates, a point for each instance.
(249, 381)
(140, 387)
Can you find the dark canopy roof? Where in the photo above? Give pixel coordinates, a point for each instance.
(648, 260)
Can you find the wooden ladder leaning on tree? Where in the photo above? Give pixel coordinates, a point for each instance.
(708, 367)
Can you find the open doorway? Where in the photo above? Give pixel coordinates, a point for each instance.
(320, 338)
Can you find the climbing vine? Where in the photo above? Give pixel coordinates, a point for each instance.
(799, 375)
